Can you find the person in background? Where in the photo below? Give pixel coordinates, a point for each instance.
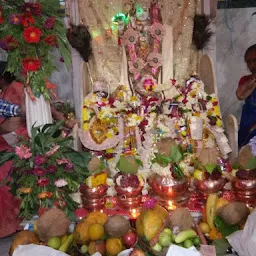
(8, 109)
(247, 91)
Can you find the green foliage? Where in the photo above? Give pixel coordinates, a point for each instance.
(224, 228)
(41, 51)
(176, 155)
(49, 173)
(251, 164)
(125, 166)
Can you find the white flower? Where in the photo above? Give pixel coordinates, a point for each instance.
(110, 182)
(60, 183)
(209, 105)
(119, 105)
(111, 191)
(163, 128)
(162, 171)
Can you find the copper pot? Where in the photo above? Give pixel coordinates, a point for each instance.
(168, 188)
(93, 198)
(129, 197)
(245, 190)
(209, 186)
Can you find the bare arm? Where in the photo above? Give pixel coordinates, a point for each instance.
(59, 116)
(246, 89)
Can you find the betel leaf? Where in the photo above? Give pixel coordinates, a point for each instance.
(162, 160)
(251, 164)
(221, 245)
(126, 166)
(224, 228)
(80, 158)
(210, 167)
(176, 154)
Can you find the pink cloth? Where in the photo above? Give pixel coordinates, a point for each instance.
(9, 205)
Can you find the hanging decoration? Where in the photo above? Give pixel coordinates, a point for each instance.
(79, 37)
(202, 33)
(30, 32)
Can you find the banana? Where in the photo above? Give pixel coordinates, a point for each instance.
(211, 209)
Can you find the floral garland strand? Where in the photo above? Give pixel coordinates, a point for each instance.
(29, 33)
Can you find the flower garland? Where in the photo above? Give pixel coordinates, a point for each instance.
(30, 32)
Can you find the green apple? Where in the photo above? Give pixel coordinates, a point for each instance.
(54, 242)
(84, 248)
(157, 247)
(165, 239)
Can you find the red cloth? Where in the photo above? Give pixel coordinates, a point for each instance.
(9, 205)
(243, 80)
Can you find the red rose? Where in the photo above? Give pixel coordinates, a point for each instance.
(51, 40)
(32, 35)
(43, 182)
(30, 64)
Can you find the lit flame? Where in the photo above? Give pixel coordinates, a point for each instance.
(171, 206)
(135, 213)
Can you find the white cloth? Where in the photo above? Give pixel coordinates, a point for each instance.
(38, 250)
(244, 241)
(180, 251)
(38, 112)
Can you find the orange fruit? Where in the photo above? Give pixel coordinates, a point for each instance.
(95, 231)
(113, 246)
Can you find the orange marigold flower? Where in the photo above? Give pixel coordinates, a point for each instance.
(25, 190)
(32, 35)
(44, 195)
(30, 64)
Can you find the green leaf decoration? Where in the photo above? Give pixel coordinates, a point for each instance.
(224, 228)
(178, 172)
(176, 154)
(251, 164)
(126, 166)
(162, 160)
(80, 158)
(211, 167)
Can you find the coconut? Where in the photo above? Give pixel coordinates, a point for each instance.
(52, 223)
(94, 164)
(181, 218)
(164, 146)
(208, 156)
(234, 212)
(117, 226)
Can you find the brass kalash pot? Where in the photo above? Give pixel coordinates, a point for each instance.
(93, 198)
(244, 186)
(169, 190)
(129, 190)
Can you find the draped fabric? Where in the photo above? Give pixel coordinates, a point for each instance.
(97, 14)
